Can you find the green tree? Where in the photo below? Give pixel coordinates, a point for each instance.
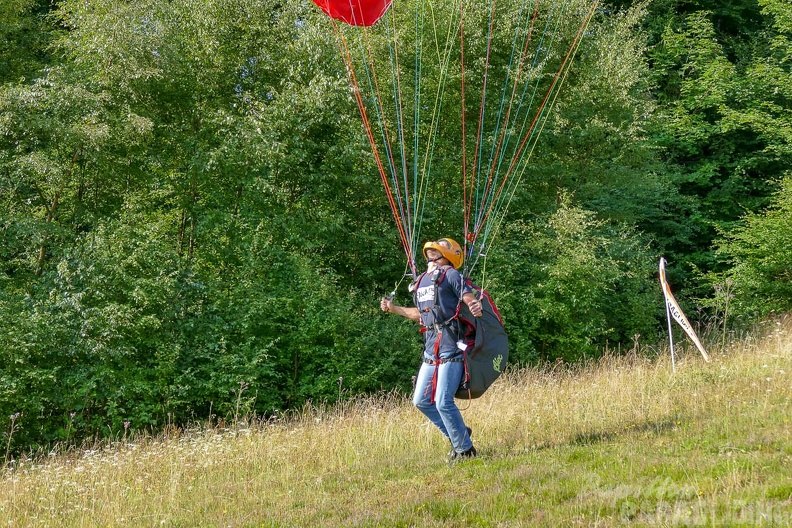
(723, 116)
(173, 228)
(25, 34)
(63, 146)
(574, 285)
(759, 257)
(598, 143)
(191, 221)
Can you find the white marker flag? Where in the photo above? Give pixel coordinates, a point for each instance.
(674, 311)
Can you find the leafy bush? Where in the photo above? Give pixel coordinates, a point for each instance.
(760, 257)
(573, 285)
(128, 333)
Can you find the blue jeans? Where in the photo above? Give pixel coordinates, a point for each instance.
(443, 413)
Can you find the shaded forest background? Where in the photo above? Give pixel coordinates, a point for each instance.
(192, 228)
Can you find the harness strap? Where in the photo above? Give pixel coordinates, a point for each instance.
(457, 359)
(437, 363)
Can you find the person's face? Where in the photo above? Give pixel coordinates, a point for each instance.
(434, 259)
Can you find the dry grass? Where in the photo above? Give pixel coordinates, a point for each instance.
(621, 441)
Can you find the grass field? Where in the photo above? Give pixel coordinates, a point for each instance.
(623, 441)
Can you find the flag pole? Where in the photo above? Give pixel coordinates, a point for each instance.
(673, 310)
(670, 333)
(668, 312)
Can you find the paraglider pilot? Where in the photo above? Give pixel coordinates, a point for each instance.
(437, 294)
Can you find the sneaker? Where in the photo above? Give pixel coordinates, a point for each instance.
(453, 454)
(470, 453)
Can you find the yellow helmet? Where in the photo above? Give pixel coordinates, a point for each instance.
(449, 248)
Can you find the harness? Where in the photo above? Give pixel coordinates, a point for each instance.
(437, 277)
(439, 326)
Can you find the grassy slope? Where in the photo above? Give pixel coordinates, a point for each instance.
(623, 441)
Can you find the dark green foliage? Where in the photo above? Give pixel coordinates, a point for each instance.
(175, 222)
(192, 226)
(759, 254)
(720, 76)
(573, 285)
(129, 332)
(598, 143)
(25, 34)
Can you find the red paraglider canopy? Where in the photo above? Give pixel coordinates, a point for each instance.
(355, 12)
